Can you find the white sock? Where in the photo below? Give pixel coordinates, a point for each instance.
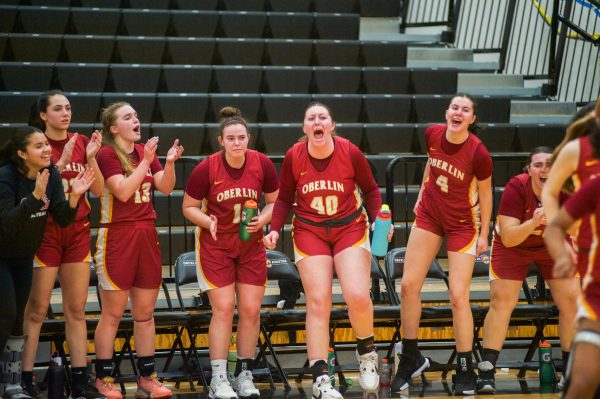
(219, 366)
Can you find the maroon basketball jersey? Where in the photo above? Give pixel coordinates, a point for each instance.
(227, 195)
(451, 185)
(77, 165)
(330, 194)
(587, 169)
(519, 201)
(139, 205)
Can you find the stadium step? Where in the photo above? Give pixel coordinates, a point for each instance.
(541, 111)
(494, 84)
(446, 57)
(387, 29)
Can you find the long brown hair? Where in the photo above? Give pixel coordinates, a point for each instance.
(108, 119)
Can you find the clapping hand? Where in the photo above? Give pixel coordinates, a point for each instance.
(174, 152)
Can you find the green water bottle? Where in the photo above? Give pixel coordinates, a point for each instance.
(546, 371)
(232, 357)
(249, 210)
(331, 365)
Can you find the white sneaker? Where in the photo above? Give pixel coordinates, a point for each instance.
(369, 371)
(220, 388)
(322, 389)
(244, 386)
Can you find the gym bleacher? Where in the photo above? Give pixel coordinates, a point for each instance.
(177, 62)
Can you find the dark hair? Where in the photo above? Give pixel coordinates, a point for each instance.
(544, 149)
(41, 105)
(17, 142)
(474, 127)
(231, 116)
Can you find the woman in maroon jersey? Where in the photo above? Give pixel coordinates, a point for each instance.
(64, 251)
(127, 258)
(455, 201)
(573, 164)
(327, 178)
(517, 243)
(228, 267)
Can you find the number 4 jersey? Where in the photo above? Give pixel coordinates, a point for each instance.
(139, 205)
(450, 190)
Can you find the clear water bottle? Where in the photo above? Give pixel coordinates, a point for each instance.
(379, 241)
(385, 373)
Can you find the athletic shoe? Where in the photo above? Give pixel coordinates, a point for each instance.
(151, 387)
(107, 388)
(322, 389)
(464, 382)
(86, 391)
(243, 385)
(34, 391)
(408, 368)
(486, 380)
(220, 388)
(369, 371)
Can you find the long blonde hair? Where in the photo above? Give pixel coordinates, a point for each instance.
(108, 119)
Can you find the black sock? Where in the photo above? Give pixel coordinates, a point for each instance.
(318, 369)
(365, 345)
(145, 365)
(104, 368)
(490, 355)
(243, 365)
(565, 359)
(409, 347)
(79, 376)
(26, 378)
(464, 361)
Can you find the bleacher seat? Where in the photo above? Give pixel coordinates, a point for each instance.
(337, 26)
(43, 19)
(345, 108)
(8, 129)
(434, 80)
(141, 50)
(81, 77)
(285, 108)
(288, 79)
(379, 8)
(7, 18)
(237, 79)
(89, 49)
(145, 22)
(389, 137)
(289, 52)
(387, 108)
(337, 6)
(383, 53)
(386, 80)
(337, 53)
(291, 25)
(240, 51)
(197, 23)
(498, 137)
(160, 4)
(190, 51)
(135, 77)
(101, 3)
(249, 104)
(191, 137)
(86, 107)
(290, 5)
(197, 4)
(351, 131)
(95, 21)
(245, 5)
(536, 134)
(182, 108)
(143, 103)
(34, 48)
(168, 207)
(278, 138)
(187, 78)
(344, 80)
(15, 106)
(18, 76)
(243, 24)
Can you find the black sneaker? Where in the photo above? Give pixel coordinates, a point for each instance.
(34, 391)
(486, 380)
(85, 391)
(464, 382)
(408, 368)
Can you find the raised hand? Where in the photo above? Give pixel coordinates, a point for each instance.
(83, 181)
(94, 145)
(150, 149)
(41, 182)
(175, 151)
(67, 153)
